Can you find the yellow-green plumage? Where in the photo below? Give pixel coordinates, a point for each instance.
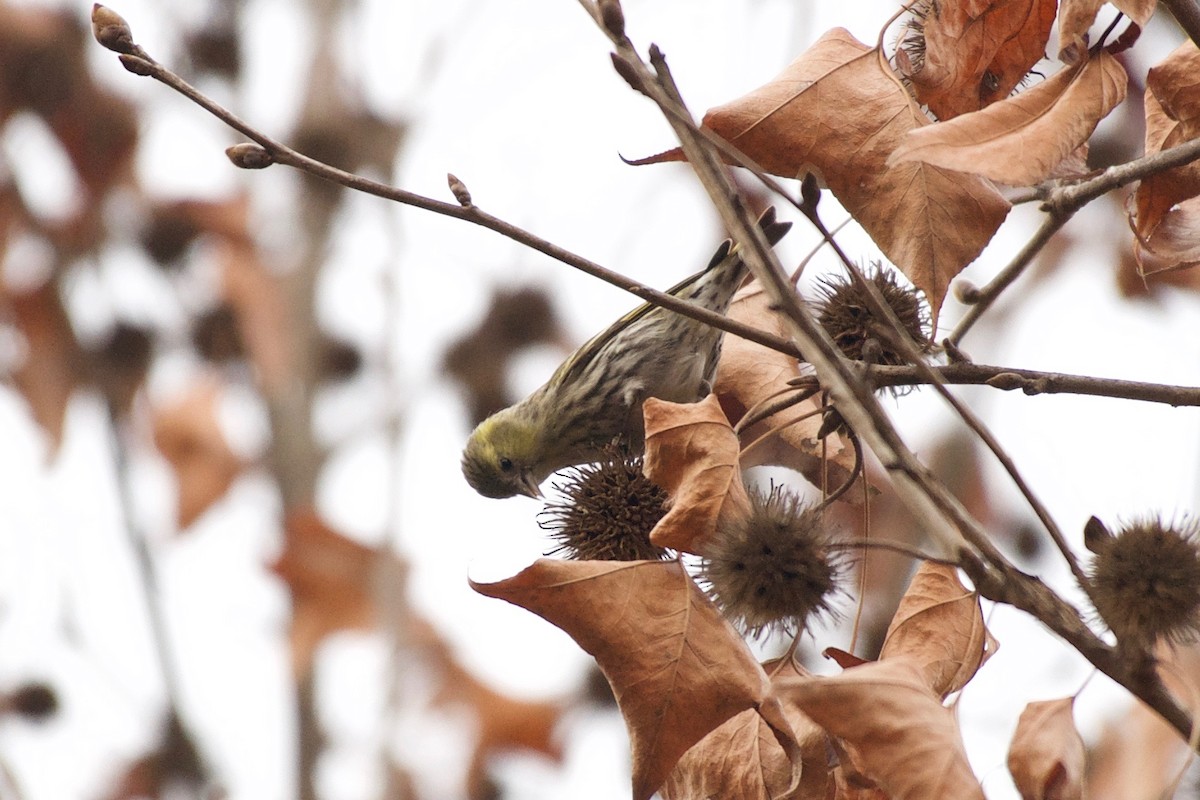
(596, 395)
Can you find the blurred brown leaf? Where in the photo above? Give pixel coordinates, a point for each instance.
(50, 371)
(260, 307)
(1139, 755)
(174, 764)
(677, 668)
(332, 580)
(506, 724)
(44, 69)
(480, 359)
(1047, 756)
(939, 625)
(966, 54)
(1022, 140)
(907, 742)
(189, 436)
(692, 453)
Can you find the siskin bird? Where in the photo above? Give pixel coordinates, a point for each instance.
(595, 396)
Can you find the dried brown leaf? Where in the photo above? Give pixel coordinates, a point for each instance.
(692, 453)
(1047, 757)
(840, 111)
(939, 625)
(1174, 245)
(1021, 140)
(908, 743)
(677, 668)
(189, 436)
(744, 758)
(1172, 103)
(748, 374)
(975, 53)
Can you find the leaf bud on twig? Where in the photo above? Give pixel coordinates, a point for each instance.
(249, 155)
(136, 65)
(1006, 381)
(111, 30)
(459, 189)
(967, 293)
(810, 191)
(629, 74)
(613, 17)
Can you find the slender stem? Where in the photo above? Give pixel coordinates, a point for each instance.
(893, 546)
(1035, 382)
(988, 294)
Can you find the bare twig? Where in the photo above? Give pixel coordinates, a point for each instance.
(138, 61)
(988, 294)
(893, 546)
(1034, 382)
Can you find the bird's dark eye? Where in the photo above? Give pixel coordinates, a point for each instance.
(506, 464)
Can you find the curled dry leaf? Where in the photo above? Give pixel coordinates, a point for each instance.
(1172, 103)
(974, 52)
(1076, 16)
(1174, 244)
(1021, 140)
(749, 373)
(692, 453)
(906, 741)
(939, 625)
(1047, 757)
(677, 668)
(838, 110)
(189, 436)
(744, 756)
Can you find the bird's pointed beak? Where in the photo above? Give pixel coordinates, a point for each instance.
(529, 486)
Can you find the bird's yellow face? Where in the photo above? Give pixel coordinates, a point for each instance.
(500, 459)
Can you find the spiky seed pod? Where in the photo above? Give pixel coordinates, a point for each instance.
(772, 568)
(844, 310)
(1146, 579)
(607, 511)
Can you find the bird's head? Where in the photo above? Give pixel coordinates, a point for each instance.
(500, 459)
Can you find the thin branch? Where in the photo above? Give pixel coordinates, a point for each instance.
(893, 546)
(988, 294)
(1035, 382)
(140, 62)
